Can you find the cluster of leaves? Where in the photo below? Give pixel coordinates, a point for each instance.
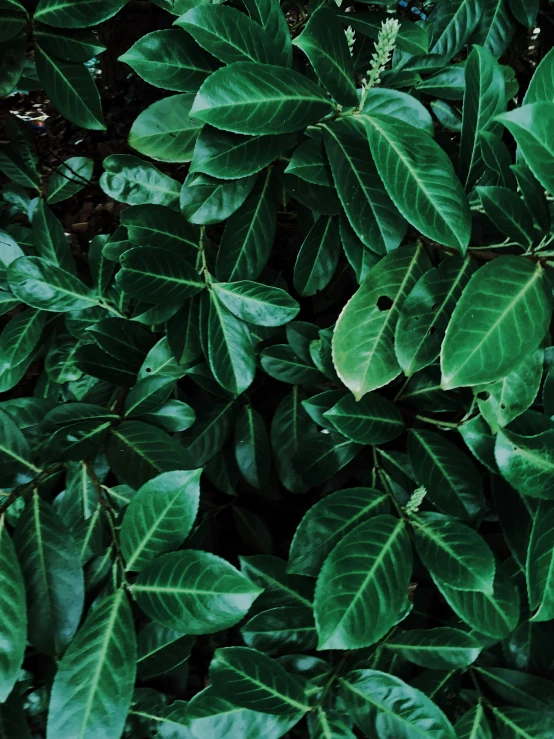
(305, 456)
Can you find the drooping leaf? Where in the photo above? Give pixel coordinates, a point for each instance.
(136, 182)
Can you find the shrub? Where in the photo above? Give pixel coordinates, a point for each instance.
(277, 450)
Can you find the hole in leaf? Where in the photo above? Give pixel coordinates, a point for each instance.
(148, 369)
(384, 303)
(503, 407)
(435, 308)
(484, 395)
(432, 330)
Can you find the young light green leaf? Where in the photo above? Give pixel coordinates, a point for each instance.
(373, 562)
(194, 592)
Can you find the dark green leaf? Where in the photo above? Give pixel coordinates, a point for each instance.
(437, 649)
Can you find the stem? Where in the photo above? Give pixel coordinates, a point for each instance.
(386, 485)
(436, 422)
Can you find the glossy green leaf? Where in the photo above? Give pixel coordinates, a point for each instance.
(194, 592)
(69, 178)
(255, 303)
(251, 98)
(530, 126)
(372, 562)
(366, 203)
(527, 462)
(411, 38)
(496, 27)
(453, 24)
(541, 87)
(519, 688)
(252, 680)
(229, 35)
(281, 630)
(72, 89)
(420, 179)
(505, 297)
(14, 614)
(71, 46)
(252, 447)
(159, 517)
(309, 163)
(171, 60)
(453, 553)
(325, 524)
(386, 706)
(540, 563)
(474, 724)
(372, 420)
(324, 43)
(92, 690)
(509, 213)
(280, 362)
(452, 482)
(136, 182)
(164, 131)
(53, 576)
(318, 257)
(76, 13)
(159, 650)
(289, 426)
(437, 649)
(363, 350)
(280, 588)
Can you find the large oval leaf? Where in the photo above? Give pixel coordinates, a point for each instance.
(157, 276)
(372, 563)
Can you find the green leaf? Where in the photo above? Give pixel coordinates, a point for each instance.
(171, 60)
(14, 450)
(473, 724)
(495, 28)
(453, 553)
(453, 24)
(507, 297)
(53, 576)
(251, 98)
(164, 131)
(252, 680)
(289, 426)
(366, 203)
(386, 706)
(248, 237)
(520, 723)
(229, 155)
(447, 85)
(159, 517)
(210, 715)
(372, 563)
(324, 43)
(502, 401)
(533, 195)
(205, 200)
(281, 589)
(76, 13)
(309, 163)
(12, 23)
(540, 564)
(363, 350)
(280, 361)
(541, 87)
(318, 257)
(323, 455)
(159, 650)
(255, 303)
(125, 341)
(252, 447)
(210, 432)
(519, 688)
(137, 452)
(509, 213)
(397, 104)
(13, 628)
(229, 35)
(372, 420)
(92, 690)
(194, 592)
(156, 275)
(12, 62)
(426, 311)
(230, 349)
(69, 178)
(162, 227)
(527, 462)
(133, 181)
(72, 90)
(49, 239)
(484, 98)
(530, 126)
(452, 482)
(19, 338)
(420, 179)
(495, 615)
(326, 522)
(71, 46)
(437, 649)
(269, 15)
(281, 629)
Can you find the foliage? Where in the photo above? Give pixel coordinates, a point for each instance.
(277, 451)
